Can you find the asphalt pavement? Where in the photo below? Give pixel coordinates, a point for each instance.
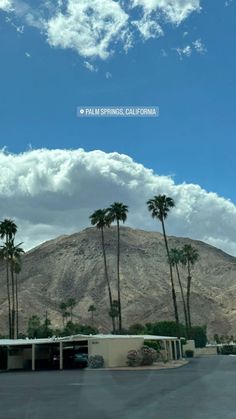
(203, 389)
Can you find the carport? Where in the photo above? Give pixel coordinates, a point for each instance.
(36, 354)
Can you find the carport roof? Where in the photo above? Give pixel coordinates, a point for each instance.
(19, 342)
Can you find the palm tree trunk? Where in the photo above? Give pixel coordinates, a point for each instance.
(171, 278)
(9, 301)
(118, 275)
(107, 278)
(17, 308)
(188, 296)
(13, 303)
(183, 299)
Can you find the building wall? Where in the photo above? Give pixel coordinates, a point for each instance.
(119, 348)
(99, 347)
(208, 350)
(21, 358)
(114, 351)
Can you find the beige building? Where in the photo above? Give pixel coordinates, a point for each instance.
(37, 354)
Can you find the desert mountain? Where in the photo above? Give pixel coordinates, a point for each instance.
(72, 266)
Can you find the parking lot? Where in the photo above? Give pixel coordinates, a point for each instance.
(203, 389)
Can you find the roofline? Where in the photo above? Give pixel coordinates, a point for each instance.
(77, 338)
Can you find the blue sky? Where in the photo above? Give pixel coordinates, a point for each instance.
(195, 88)
(194, 136)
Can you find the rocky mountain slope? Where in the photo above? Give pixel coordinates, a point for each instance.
(72, 266)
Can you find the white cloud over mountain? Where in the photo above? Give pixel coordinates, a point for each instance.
(53, 192)
(94, 28)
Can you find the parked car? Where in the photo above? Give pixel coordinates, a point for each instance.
(71, 359)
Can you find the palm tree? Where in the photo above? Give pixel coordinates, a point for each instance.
(189, 257)
(118, 212)
(13, 254)
(17, 270)
(114, 312)
(64, 313)
(8, 231)
(159, 206)
(71, 303)
(175, 260)
(100, 219)
(91, 310)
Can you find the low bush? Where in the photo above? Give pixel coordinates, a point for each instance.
(189, 353)
(153, 344)
(96, 361)
(134, 358)
(143, 356)
(228, 350)
(148, 355)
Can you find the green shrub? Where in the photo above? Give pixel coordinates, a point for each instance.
(228, 350)
(136, 329)
(153, 344)
(96, 361)
(189, 353)
(198, 334)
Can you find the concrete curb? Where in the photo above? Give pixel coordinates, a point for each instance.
(157, 367)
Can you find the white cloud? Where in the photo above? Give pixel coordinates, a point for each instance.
(88, 27)
(90, 67)
(5, 5)
(27, 54)
(108, 75)
(184, 52)
(174, 11)
(96, 28)
(53, 192)
(187, 51)
(199, 46)
(148, 27)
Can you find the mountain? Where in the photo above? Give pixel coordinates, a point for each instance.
(72, 266)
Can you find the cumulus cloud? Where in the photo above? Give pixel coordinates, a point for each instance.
(174, 11)
(5, 5)
(148, 27)
(53, 192)
(96, 28)
(88, 27)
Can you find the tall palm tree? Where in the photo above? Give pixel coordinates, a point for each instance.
(13, 253)
(114, 312)
(100, 219)
(64, 313)
(91, 310)
(17, 270)
(71, 303)
(189, 257)
(8, 231)
(175, 260)
(118, 212)
(159, 207)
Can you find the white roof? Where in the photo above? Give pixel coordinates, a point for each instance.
(27, 341)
